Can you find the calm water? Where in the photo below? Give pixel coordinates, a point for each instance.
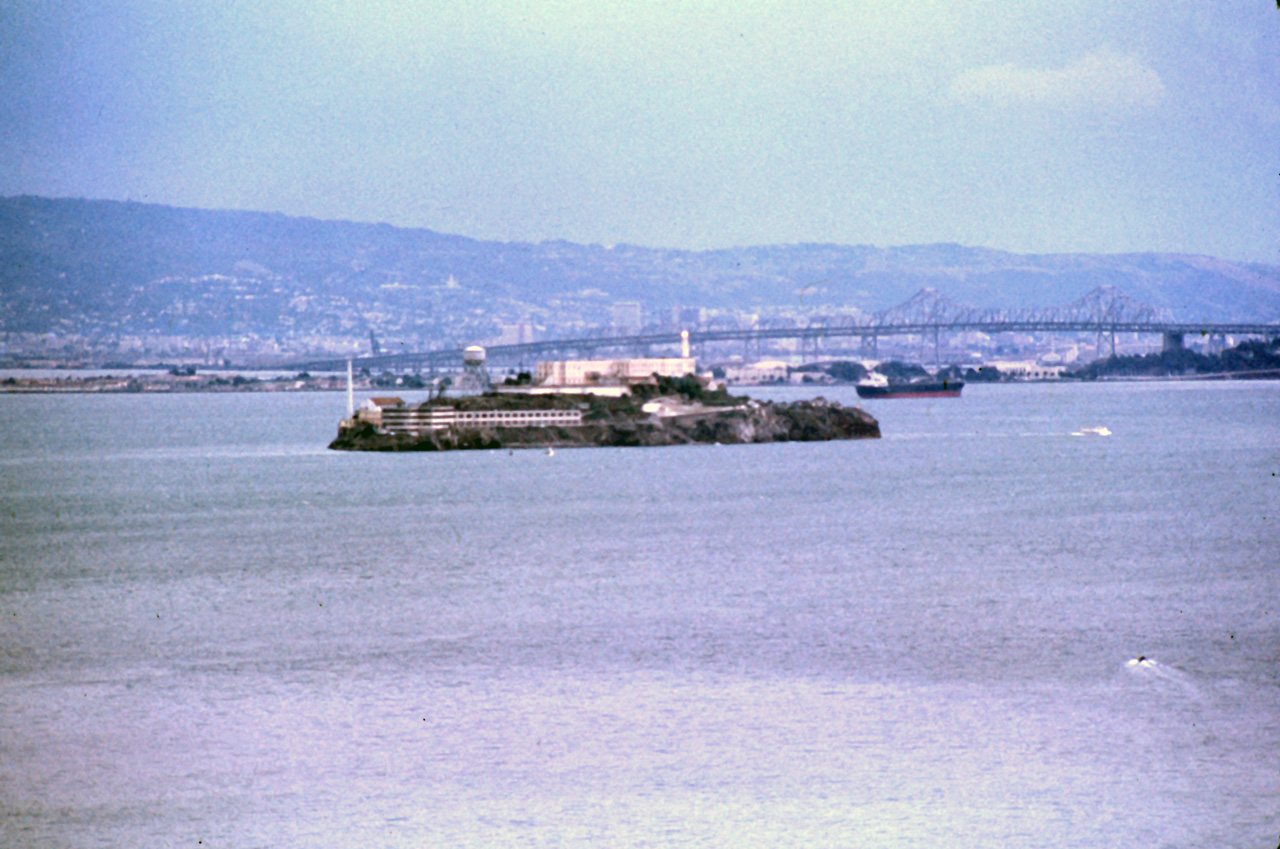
(214, 632)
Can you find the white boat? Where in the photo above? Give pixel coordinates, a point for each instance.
(1092, 431)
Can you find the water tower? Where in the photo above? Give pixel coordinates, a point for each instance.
(474, 378)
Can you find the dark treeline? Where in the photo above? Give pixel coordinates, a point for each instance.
(1251, 356)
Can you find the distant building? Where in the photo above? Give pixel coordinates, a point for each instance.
(627, 318)
(687, 318)
(520, 333)
(764, 371)
(611, 372)
(1028, 370)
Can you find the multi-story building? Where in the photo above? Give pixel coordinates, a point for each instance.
(596, 372)
(398, 417)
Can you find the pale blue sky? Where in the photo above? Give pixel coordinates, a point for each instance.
(1099, 125)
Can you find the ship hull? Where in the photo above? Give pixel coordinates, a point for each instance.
(943, 389)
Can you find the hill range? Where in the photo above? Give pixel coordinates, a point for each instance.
(105, 268)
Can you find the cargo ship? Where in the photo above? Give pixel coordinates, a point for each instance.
(878, 386)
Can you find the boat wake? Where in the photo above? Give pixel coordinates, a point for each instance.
(1154, 671)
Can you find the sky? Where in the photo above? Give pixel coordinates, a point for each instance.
(1035, 127)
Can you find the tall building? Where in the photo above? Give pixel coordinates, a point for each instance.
(627, 318)
(687, 318)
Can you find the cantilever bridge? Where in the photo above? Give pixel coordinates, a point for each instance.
(927, 314)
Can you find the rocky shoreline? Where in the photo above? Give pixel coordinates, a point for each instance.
(752, 422)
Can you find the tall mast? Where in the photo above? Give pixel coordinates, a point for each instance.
(351, 397)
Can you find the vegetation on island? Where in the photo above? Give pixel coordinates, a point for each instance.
(840, 371)
(1253, 358)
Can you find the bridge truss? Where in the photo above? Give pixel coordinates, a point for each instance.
(928, 314)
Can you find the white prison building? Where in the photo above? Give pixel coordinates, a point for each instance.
(589, 372)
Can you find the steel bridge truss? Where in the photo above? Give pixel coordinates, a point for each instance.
(928, 314)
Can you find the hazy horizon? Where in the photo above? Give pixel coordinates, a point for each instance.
(1032, 128)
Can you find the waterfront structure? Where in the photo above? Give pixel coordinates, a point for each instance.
(764, 371)
(1028, 370)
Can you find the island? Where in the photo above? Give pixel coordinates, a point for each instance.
(671, 411)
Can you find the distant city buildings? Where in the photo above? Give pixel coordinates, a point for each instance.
(344, 336)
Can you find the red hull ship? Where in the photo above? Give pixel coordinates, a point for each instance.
(920, 387)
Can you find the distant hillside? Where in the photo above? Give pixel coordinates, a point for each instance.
(103, 267)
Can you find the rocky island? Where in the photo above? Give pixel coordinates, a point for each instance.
(672, 412)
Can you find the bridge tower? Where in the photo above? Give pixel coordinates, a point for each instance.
(1103, 333)
(808, 348)
(868, 347)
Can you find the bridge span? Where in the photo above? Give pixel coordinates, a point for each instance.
(928, 315)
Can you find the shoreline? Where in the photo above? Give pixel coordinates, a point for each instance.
(165, 383)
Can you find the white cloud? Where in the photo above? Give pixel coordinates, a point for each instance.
(1099, 79)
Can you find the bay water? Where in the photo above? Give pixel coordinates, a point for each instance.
(215, 632)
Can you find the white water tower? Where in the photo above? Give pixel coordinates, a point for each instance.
(474, 378)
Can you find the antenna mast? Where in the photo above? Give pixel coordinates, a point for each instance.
(351, 397)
